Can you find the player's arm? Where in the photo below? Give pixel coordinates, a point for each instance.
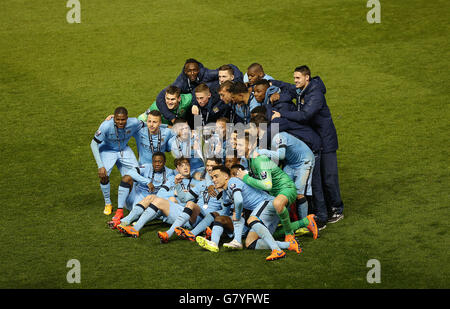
(238, 203)
(275, 155)
(265, 174)
(96, 152)
(135, 174)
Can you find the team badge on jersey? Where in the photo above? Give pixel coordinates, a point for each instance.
(128, 132)
(232, 186)
(98, 133)
(263, 175)
(216, 109)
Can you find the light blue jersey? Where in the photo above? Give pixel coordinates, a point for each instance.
(252, 197)
(189, 190)
(288, 148)
(298, 158)
(158, 142)
(187, 149)
(112, 138)
(209, 203)
(147, 175)
(267, 77)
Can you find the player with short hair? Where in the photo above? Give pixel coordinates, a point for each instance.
(241, 96)
(171, 103)
(153, 138)
(266, 175)
(208, 206)
(254, 73)
(137, 184)
(207, 105)
(187, 144)
(110, 147)
(259, 203)
(298, 161)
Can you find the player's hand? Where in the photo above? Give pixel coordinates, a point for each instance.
(212, 191)
(178, 178)
(197, 176)
(275, 115)
(102, 172)
(109, 117)
(255, 154)
(274, 97)
(151, 187)
(195, 110)
(240, 173)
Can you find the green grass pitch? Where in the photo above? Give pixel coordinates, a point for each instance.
(387, 90)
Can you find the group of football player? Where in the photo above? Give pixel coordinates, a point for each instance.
(254, 160)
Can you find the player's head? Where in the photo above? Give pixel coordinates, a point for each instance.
(173, 97)
(158, 161)
(255, 72)
(230, 161)
(259, 89)
(183, 166)
(221, 126)
(243, 144)
(226, 72)
(261, 123)
(302, 76)
(191, 69)
(212, 162)
(258, 110)
(220, 176)
(202, 94)
(224, 92)
(234, 168)
(154, 121)
(120, 117)
(181, 128)
(239, 93)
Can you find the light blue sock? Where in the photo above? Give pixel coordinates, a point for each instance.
(133, 215)
(261, 244)
(264, 234)
(123, 191)
(302, 207)
(202, 225)
(148, 215)
(216, 233)
(238, 228)
(106, 189)
(179, 221)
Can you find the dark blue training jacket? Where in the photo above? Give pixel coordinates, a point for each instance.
(238, 77)
(182, 81)
(212, 111)
(312, 109)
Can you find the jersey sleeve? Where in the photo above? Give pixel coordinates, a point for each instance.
(100, 135)
(263, 170)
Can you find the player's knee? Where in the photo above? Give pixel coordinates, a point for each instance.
(104, 180)
(251, 220)
(300, 196)
(191, 205)
(127, 180)
(220, 219)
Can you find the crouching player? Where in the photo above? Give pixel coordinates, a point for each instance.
(261, 205)
(110, 147)
(167, 203)
(209, 203)
(145, 180)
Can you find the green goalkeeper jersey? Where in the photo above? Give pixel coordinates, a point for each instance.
(185, 103)
(270, 178)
